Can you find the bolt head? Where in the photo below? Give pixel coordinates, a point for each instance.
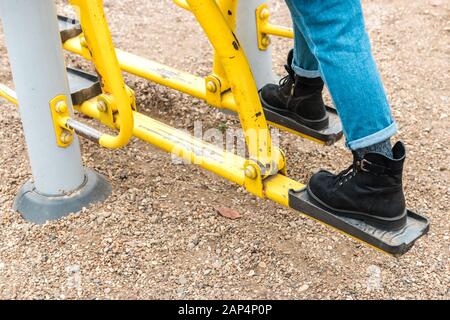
(61, 107)
(102, 106)
(66, 137)
(264, 14)
(250, 172)
(211, 86)
(266, 41)
(83, 41)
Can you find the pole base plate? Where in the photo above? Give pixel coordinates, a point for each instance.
(39, 209)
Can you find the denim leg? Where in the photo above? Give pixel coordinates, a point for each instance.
(305, 63)
(335, 32)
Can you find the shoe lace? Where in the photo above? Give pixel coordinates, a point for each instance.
(347, 174)
(290, 76)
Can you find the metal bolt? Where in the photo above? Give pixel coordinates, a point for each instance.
(102, 106)
(250, 172)
(265, 41)
(211, 86)
(61, 107)
(83, 41)
(264, 14)
(66, 137)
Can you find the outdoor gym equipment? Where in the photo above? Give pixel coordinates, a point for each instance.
(46, 91)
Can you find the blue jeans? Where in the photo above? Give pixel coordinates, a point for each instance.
(331, 42)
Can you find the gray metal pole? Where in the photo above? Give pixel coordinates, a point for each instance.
(260, 61)
(37, 61)
(36, 57)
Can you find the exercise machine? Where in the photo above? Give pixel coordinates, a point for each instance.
(48, 93)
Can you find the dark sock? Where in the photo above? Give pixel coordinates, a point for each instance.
(384, 148)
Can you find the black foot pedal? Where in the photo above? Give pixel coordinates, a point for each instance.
(328, 136)
(69, 28)
(393, 242)
(83, 86)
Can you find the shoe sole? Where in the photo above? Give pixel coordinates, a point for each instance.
(389, 224)
(318, 125)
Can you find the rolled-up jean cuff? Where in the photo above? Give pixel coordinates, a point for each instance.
(375, 138)
(305, 73)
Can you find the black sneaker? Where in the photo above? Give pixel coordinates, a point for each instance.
(370, 189)
(298, 98)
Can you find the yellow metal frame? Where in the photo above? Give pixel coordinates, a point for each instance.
(182, 3)
(97, 42)
(265, 28)
(231, 71)
(60, 114)
(228, 9)
(230, 86)
(237, 70)
(217, 93)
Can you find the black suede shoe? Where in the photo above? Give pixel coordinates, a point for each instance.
(370, 190)
(298, 98)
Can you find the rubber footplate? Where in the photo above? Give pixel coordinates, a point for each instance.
(393, 242)
(69, 28)
(83, 86)
(328, 136)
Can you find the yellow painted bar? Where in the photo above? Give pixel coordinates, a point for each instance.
(279, 31)
(8, 94)
(225, 7)
(239, 75)
(99, 43)
(277, 188)
(150, 70)
(267, 28)
(209, 157)
(182, 4)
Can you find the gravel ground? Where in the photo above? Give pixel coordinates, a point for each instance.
(159, 234)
